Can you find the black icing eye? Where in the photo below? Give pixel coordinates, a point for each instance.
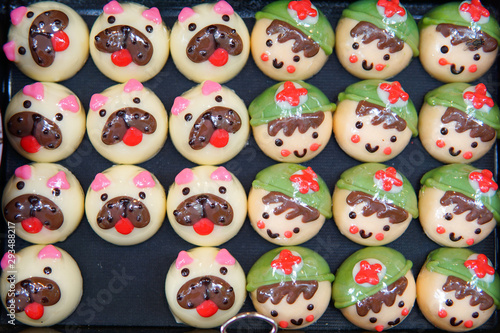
(394, 138)
(274, 313)
(225, 18)
(56, 192)
(111, 19)
(444, 49)
(477, 231)
(265, 215)
(387, 57)
(192, 27)
(142, 195)
(355, 46)
(47, 270)
(296, 58)
(223, 270)
(401, 304)
(27, 104)
(359, 125)
(29, 14)
(149, 28)
(474, 144)
(21, 50)
(315, 135)
(373, 320)
(185, 272)
(20, 185)
(278, 142)
(352, 215)
(102, 113)
(218, 98)
(310, 307)
(448, 216)
(137, 100)
(104, 197)
(59, 117)
(477, 57)
(444, 131)
(222, 190)
(386, 228)
(449, 302)
(188, 117)
(269, 43)
(185, 190)
(475, 314)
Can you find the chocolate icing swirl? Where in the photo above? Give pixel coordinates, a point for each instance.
(205, 205)
(373, 205)
(40, 36)
(213, 37)
(290, 124)
(385, 296)
(371, 32)
(287, 32)
(309, 214)
(45, 131)
(123, 207)
(290, 289)
(463, 203)
(209, 287)
(463, 289)
(38, 206)
(120, 121)
(381, 115)
(34, 290)
(474, 40)
(464, 123)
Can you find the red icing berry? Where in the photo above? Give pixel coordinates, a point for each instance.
(303, 9)
(261, 224)
(355, 138)
(353, 59)
(203, 227)
(368, 273)
(219, 57)
(442, 313)
(121, 58)
(480, 266)
(34, 310)
(288, 234)
(484, 179)
(32, 225)
(207, 309)
(132, 137)
(286, 260)
(291, 94)
(389, 179)
(475, 9)
(468, 323)
(219, 138)
(290, 69)
(353, 229)
(405, 312)
(30, 144)
(264, 56)
(60, 41)
(310, 318)
(124, 226)
(395, 91)
(440, 143)
(440, 230)
(479, 97)
(391, 7)
(306, 181)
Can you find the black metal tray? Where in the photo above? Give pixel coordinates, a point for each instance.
(141, 304)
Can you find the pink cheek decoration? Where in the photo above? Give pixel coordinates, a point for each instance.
(467, 155)
(113, 7)
(7, 259)
(443, 62)
(184, 177)
(355, 138)
(58, 181)
(470, 241)
(221, 173)
(144, 180)
(180, 104)
(96, 101)
(261, 224)
(310, 318)
(49, 252)
(264, 57)
(288, 234)
(185, 13)
(223, 257)
(353, 59)
(473, 68)
(283, 324)
(442, 313)
(440, 230)
(70, 104)
(132, 85)
(100, 182)
(290, 69)
(353, 229)
(285, 152)
(468, 324)
(34, 90)
(379, 67)
(17, 15)
(23, 172)
(379, 236)
(440, 143)
(210, 87)
(405, 312)
(388, 151)
(182, 260)
(10, 50)
(153, 15)
(223, 8)
(379, 328)
(314, 146)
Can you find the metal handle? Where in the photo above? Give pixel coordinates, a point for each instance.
(245, 315)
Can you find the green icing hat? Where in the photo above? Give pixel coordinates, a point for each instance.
(277, 178)
(264, 108)
(311, 267)
(346, 291)
(321, 32)
(366, 11)
(452, 95)
(449, 13)
(367, 90)
(362, 178)
(455, 177)
(451, 262)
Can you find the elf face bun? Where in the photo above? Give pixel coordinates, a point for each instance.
(291, 40)
(459, 205)
(47, 284)
(458, 41)
(288, 204)
(458, 122)
(47, 41)
(125, 204)
(374, 120)
(129, 41)
(376, 39)
(210, 42)
(457, 290)
(205, 287)
(373, 204)
(44, 201)
(291, 121)
(45, 122)
(374, 288)
(127, 123)
(206, 205)
(290, 285)
(209, 124)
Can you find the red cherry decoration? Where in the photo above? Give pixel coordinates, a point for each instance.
(30, 144)
(60, 41)
(124, 226)
(203, 227)
(32, 225)
(132, 137)
(219, 57)
(34, 310)
(207, 309)
(219, 138)
(121, 58)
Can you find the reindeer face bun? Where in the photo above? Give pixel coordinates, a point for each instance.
(290, 285)
(457, 290)
(458, 122)
(458, 41)
(291, 40)
(129, 41)
(373, 204)
(374, 288)
(459, 204)
(48, 41)
(376, 39)
(210, 41)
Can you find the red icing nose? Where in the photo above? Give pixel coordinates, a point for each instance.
(34, 310)
(121, 58)
(60, 41)
(132, 137)
(207, 309)
(219, 57)
(124, 226)
(29, 144)
(203, 227)
(219, 138)
(32, 225)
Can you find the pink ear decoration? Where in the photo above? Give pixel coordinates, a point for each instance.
(185, 13)
(7, 259)
(133, 85)
(69, 103)
(183, 259)
(184, 177)
(34, 90)
(153, 15)
(23, 172)
(180, 104)
(58, 181)
(210, 87)
(223, 8)
(10, 50)
(96, 101)
(221, 173)
(100, 182)
(113, 7)
(17, 15)
(144, 179)
(223, 257)
(49, 252)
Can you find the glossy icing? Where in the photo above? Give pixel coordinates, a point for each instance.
(56, 276)
(199, 46)
(206, 205)
(56, 27)
(45, 122)
(143, 37)
(205, 271)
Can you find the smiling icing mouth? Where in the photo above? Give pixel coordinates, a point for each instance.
(296, 153)
(453, 152)
(453, 69)
(371, 149)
